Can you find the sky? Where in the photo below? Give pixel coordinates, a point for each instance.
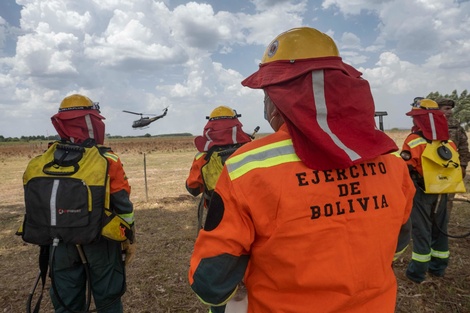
(191, 56)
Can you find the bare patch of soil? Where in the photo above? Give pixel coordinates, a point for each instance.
(166, 229)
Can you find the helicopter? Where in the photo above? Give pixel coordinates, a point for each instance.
(145, 121)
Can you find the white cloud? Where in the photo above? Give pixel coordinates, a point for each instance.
(145, 55)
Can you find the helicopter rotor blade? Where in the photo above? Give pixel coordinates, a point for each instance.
(132, 112)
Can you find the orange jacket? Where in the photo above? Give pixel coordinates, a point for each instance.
(120, 189)
(194, 182)
(303, 240)
(413, 148)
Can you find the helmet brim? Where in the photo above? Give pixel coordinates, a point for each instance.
(415, 112)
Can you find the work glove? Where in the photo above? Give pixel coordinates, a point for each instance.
(129, 248)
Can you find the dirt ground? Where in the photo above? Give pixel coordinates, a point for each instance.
(166, 230)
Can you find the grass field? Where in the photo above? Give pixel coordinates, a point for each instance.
(166, 230)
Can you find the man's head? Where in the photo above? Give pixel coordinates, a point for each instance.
(79, 119)
(222, 128)
(429, 119)
(446, 105)
(315, 94)
(301, 43)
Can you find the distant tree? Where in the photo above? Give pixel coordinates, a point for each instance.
(462, 105)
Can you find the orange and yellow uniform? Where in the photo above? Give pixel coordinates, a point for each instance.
(119, 188)
(194, 182)
(303, 240)
(430, 245)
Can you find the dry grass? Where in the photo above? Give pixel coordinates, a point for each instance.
(166, 229)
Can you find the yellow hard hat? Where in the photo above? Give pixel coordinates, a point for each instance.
(426, 104)
(222, 112)
(300, 43)
(423, 104)
(77, 102)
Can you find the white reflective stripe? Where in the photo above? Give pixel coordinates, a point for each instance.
(433, 126)
(91, 134)
(53, 202)
(318, 85)
(421, 257)
(209, 140)
(234, 134)
(440, 254)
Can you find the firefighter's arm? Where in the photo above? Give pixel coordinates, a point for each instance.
(404, 237)
(215, 280)
(221, 252)
(120, 189)
(194, 182)
(462, 149)
(120, 202)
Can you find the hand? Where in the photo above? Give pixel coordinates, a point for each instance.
(129, 250)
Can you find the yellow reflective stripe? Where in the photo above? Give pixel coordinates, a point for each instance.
(218, 304)
(397, 154)
(262, 157)
(398, 253)
(129, 218)
(111, 156)
(440, 254)
(416, 142)
(199, 155)
(421, 257)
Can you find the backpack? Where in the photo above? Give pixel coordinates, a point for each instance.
(66, 194)
(441, 169)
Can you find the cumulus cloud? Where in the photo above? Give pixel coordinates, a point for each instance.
(144, 55)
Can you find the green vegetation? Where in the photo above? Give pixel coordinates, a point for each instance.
(462, 105)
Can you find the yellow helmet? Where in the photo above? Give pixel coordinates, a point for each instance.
(300, 43)
(78, 102)
(420, 106)
(222, 112)
(426, 104)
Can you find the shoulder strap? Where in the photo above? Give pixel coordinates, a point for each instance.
(42, 275)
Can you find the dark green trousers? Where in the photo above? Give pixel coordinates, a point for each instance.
(430, 245)
(106, 273)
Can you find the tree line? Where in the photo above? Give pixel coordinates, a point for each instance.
(462, 105)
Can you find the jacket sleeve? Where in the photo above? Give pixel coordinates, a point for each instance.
(404, 236)
(120, 189)
(194, 182)
(221, 252)
(462, 147)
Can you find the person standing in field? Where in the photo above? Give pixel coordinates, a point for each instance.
(429, 219)
(79, 122)
(312, 216)
(459, 136)
(222, 135)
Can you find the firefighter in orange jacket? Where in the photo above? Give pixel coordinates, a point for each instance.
(312, 216)
(223, 130)
(430, 245)
(79, 121)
